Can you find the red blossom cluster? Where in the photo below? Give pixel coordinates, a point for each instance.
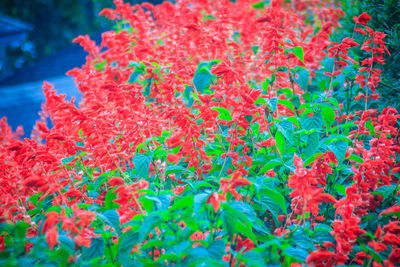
(248, 56)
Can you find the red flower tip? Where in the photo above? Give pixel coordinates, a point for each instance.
(52, 237)
(362, 19)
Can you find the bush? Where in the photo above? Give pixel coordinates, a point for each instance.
(211, 133)
(385, 18)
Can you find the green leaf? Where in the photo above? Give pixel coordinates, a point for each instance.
(202, 79)
(314, 122)
(355, 158)
(295, 121)
(135, 75)
(188, 95)
(148, 224)
(370, 127)
(125, 245)
(233, 214)
(147, 87)
(223, 113)
(271, 164)
(385, 191)
(272, 103)
(328, 115)
(96, 249)
(287, 129)
(142, 165)
(296, 253)
(280, 142)
(109, 200)
(175, 169)
(111, 217)
(287, 104)
(67, 243)
(298, 52)
(216, 250)
(246, 231)
(302, 77)
(340, 188)
(153, 243)
(312, 144)
(339, 148)
(276, 197)
(259, 5)
(184, 202)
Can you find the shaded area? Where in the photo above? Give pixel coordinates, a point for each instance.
(51, 66)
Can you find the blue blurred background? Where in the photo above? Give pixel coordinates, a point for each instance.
(35, 45)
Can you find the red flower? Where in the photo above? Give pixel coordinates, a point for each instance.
(179, 189)
(52, 219)
(82, 241)
(52, 237)
(215, 200)
(115, 181)
(362, 19)
(321, 258)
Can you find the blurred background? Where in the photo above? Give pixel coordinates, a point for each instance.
(35, 45)
(36, 35)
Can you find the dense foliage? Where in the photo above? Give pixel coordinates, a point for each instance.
(385, 18)
(211, 133)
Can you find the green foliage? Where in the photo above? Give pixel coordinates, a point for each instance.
(385, 18)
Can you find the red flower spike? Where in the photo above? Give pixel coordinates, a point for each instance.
(52, 237)
(362, 19)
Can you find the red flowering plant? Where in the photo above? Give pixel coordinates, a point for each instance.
(210, 132)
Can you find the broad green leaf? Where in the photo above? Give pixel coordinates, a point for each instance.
(322, 233)
(271, 164)
(356, 158)
(245, 230)
(260, 100)
(312, 144)
(385, 191)
(223, 113)
(67, 243)
(287, 104)
(280, 142)
(202, 79)
(339, 148)
(111, 217)
(153, 243)
(276, 197)
(259, 5)
(328, 115)
(314, 122)
(272, 103)
(340, 188)
(303, 240)
(125, 245)
(370, 127)
(175, 169)
(295, 121)
(298, 52)
(181, 203)
(302, 77)
(96, 249)
(287, 129)
(148, 225)
(109, 200)
(142, 165)
(297, 253)
(216, 250)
